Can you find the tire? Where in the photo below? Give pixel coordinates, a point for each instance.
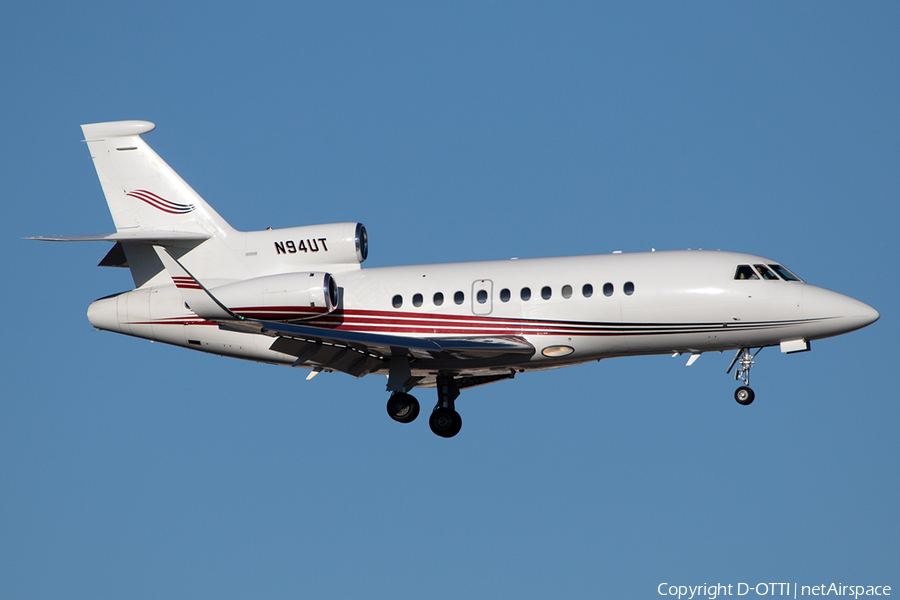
(445, 423)
(744, 395)
(403, 408)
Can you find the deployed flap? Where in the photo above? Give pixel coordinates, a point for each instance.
(346, 359)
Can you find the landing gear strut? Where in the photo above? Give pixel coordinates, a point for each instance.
(744, 359)
(444, 420)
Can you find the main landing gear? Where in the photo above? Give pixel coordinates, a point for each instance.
(403, 407)
(744, 359)
(444, 420)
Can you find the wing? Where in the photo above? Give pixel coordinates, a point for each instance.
(358, 353)
(353, 352)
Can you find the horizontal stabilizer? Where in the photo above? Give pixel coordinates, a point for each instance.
(158, 237)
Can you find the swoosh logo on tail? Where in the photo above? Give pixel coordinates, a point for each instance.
(160, 203)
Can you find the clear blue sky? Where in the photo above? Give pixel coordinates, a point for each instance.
(454, 131)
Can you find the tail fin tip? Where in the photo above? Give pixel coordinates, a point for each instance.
(110, 129)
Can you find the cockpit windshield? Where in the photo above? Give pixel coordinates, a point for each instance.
(766, 273)
(784, 273)
(769, 273)
(745, 272)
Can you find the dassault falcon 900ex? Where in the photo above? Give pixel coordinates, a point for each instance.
(299, 296)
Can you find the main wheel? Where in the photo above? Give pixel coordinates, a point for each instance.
(445, 422)
(402, 407)
(744, 395)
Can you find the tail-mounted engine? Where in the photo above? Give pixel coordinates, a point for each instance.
(284, 297)
(339, 246)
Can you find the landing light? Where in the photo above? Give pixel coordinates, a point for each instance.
(557, 351)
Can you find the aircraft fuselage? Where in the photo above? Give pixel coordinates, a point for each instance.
(571, 309)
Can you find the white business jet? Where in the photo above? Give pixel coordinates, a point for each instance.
(299, 296)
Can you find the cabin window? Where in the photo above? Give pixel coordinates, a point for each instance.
(459, 297)
(525, 294)
(607, 289)
(417, 300)
(546, 292)
(397, 301)
(481, 296)
(745, 272)
(766, 272)
(628, 288)
(504, 295)
(438, 298)
(785, 274)
(567, 291)
(587, 290)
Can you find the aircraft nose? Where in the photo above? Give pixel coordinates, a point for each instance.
(830, 313)
(866, 314)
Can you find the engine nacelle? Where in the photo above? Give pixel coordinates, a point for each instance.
(284, 297)
(335, 246)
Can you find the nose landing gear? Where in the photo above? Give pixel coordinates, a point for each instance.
(744, 359)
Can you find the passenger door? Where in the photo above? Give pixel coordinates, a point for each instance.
(482, 297)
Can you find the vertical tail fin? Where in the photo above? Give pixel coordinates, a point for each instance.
(142, 191)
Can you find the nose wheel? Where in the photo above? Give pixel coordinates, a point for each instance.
(744, 395)
(744, 361)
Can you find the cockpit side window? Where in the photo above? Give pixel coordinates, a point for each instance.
(745, 272)
(785, 274)
(766, 272)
